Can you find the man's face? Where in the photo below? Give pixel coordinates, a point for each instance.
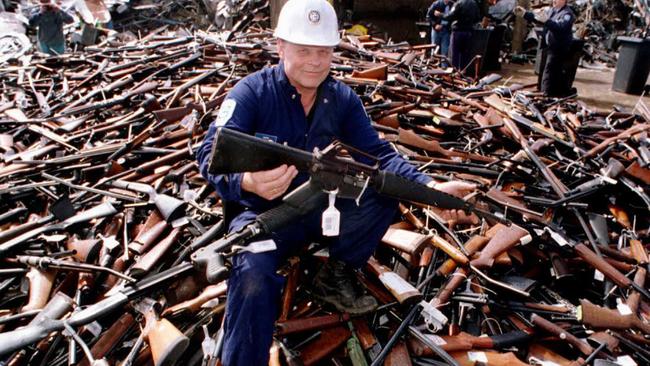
(305, 66)
(559, 3)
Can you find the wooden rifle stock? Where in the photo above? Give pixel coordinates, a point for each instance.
(40, 285)
(110, 338)
(503, 240)
(447, 290)
(376, 73)
(290, 290)
(151, 258)
(378, 292)
(473, 245)
(634, 300)
(556, 330)
(85, 251)
(603, 266)
(328, 341)
(454, 253)
(398, 356)
(367, 339)
(166, 342)
(604, 318)
(405, 241)
(193, 305)
(149, 232)
(410, 138)
(403, 291)
(638, 172)
(465, 342)
(410, 217)
(306, 324)
(639, 252)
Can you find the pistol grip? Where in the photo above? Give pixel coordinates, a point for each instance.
(214, 264)
(215, 269)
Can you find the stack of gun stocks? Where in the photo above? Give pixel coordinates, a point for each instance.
(99, 190)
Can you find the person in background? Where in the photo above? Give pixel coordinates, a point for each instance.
(556, 38)
(464, 15)
(49, 20)
(440, 28)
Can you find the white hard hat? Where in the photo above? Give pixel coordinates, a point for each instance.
(308, 22)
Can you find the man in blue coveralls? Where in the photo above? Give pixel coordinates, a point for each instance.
(299, 104)
(440, 29)
(556, 37)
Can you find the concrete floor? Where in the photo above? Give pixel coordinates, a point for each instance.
(594, 86)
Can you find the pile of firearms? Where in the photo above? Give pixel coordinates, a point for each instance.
(102, 207)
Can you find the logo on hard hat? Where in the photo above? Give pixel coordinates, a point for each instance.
(314, 16)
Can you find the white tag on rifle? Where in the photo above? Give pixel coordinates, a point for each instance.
(623, 308)
(599, 276)
(260, 246)
(625, 361)
(477, 356)
(331, 217)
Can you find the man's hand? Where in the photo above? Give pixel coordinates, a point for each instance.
(458, 189)
(438, 27)
(437, 13)
(269, 184)
(454, 188)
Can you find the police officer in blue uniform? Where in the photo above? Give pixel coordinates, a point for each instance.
(556, 37)
(440, 29)
(299, 104)
(464, 15)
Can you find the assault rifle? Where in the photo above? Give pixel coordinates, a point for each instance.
(237, 152)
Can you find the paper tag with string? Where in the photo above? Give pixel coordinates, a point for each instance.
(331, 220)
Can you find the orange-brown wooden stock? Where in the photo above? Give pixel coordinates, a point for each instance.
(403, 291)
(110, 338)
(398, 356)
(366, 337)
(604, 318)
(151, 258)
(503, 240)
(328, 341)
(600, 264)
(634, 300)
(306, 324)
(40, 286)
(410, 217)
(473, 245)
(147, 236)
(289, 291)
(554, 329)
(447, 290)
(405, 241)
(193, 305)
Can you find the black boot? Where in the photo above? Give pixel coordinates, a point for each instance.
(335, 284)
